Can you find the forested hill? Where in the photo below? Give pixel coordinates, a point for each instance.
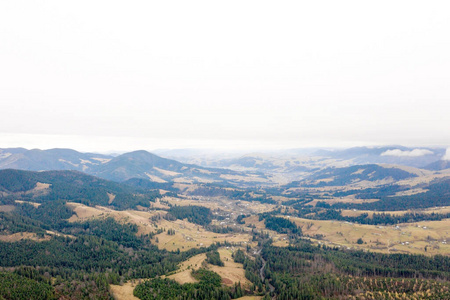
(74, 186)
(143, 164)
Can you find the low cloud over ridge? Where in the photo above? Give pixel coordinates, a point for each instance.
(412, 153)
(447, 155)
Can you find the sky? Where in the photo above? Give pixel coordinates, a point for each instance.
(127, 75)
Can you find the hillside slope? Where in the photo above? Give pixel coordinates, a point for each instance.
(41, 187)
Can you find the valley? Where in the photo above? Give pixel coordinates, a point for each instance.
(184, 230)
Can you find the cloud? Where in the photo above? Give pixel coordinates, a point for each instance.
(447, 155)
(412, 153)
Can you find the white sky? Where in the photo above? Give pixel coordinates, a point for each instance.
(124, 75)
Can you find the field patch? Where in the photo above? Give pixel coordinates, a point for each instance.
(429, 238)
(36, 205)
(183, 274)
(123, 292)
(141, 218)
(188, 235)
(232, 272)
(15, 237)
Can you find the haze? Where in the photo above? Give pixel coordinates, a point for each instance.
(110, 75)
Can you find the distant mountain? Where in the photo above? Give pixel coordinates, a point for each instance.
(137, 164)
(53, 159)
(354, 175)
(142, 164)
(398, 155)
(266, 163)
(438, 165)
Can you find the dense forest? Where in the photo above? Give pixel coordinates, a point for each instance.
(14, 286)
(304, 271)
(280, 225)
(213, 257)
(196, 214)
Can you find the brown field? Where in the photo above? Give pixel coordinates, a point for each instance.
(41, 186)
(111, 197)
(404, 238)
(15, 237)
(183, 180)
(232, 272)
(29, 202)
(280, 240)
(158, 205)
(155, 178)
(185, 187)
(140, 218)
(188, 235)
(203, 171)
(40, 189)
(123, 292)
(203, 180)
(166, 172)
(183, 275)
(254, 220)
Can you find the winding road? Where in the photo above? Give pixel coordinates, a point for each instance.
(261, 272)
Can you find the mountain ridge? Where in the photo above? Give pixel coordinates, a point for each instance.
(136, 164)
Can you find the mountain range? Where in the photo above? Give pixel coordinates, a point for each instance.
(136, 164)
(245, 170)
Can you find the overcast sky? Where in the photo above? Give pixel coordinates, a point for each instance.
(124, 75)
